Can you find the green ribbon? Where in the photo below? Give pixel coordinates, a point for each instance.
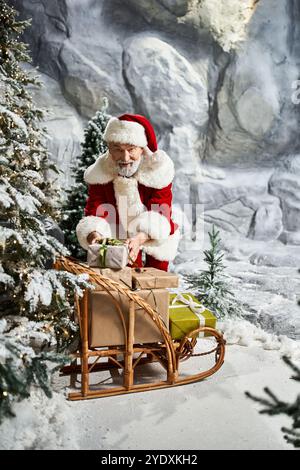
(103, 249)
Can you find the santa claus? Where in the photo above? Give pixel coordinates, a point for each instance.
(130, 194)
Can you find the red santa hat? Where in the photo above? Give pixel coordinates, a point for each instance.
(131, 129)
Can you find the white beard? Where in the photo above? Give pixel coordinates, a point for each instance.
(130, 169)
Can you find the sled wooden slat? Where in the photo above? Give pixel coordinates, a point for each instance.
(167, 353)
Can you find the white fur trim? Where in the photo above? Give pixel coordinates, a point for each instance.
(90, 224)
(165, 251)
(154, 224)
(156, 170)
(125, 132)
(102, 171)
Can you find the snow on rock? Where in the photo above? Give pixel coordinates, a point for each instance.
(244, 333)
(227, 24)
(40, 423)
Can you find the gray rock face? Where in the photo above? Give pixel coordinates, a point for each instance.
(241, 203)
(152, 65)
(64, 125)
(219, 84)
(267, 222)
(285, 184)
(255, 103)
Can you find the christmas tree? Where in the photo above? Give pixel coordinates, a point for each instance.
(210, 285)
(36, 307)
(73, 208)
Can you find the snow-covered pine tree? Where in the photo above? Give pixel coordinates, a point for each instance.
(73, 208)
(36, 304)
(210, 285)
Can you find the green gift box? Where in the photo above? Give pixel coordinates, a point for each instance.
(186, 313)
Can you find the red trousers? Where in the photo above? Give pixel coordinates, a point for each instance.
(151, 262)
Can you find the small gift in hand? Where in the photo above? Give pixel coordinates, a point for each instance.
(111, 253)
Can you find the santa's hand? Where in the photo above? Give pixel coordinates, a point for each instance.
(134, 244)
(94, 237)
(133, 248)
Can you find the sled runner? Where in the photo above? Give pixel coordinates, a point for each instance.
(167, 353)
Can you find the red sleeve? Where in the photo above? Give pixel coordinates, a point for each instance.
(161, 201)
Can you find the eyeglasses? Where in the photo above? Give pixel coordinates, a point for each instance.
(131, 151)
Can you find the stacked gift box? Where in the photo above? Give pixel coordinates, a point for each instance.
(180, 312)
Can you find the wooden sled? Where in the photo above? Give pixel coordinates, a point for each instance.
(168, 353)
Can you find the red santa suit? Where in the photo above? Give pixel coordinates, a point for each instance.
(120, 206)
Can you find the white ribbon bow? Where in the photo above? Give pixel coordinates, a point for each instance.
(194, 306)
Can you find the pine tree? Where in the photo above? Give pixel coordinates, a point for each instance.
(274, 406)
(36, 305)
(210, 285)
(73, 208)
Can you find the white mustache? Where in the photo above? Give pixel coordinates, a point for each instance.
(127, 168)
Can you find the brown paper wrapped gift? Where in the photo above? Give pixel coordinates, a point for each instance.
(124, 275)
(153, 278)
(105, 325)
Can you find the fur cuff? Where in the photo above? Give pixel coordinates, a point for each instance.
(154, 224)
(165, 251)
(90, 224)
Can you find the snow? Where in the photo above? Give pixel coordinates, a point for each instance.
(39, 290)
(264, 277)
(17, 120)
(244, 333)
(43, 285)
(41, 423)
(203, 415)
(5, 198)
(27, 203)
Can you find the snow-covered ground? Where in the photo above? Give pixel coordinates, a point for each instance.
(264, 276)
(212, 414)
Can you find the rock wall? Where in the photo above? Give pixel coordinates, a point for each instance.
(217, 79)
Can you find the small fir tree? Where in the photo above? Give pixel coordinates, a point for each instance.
(73, 208)
(210, 285)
